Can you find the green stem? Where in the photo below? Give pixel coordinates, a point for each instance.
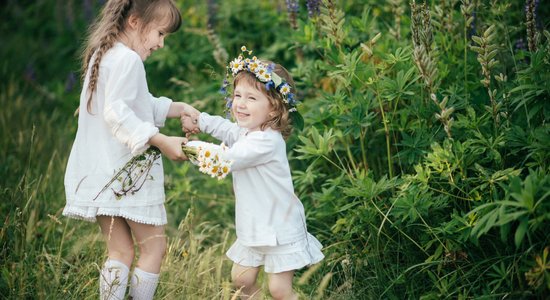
(387, 133)
(363, 151)
(465, 63)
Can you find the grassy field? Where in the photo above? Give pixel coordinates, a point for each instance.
(424, 165)
(47, 256)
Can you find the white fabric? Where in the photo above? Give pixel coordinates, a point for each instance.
(276, 259)
(124, 116)
(153, 214)
(143, 285)
(267, 212)
(113, 280)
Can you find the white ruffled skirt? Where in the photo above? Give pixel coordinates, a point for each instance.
(153, 215)
(280, 258)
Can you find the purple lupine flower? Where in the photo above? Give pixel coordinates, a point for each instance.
(69, 15)
(212, 7)
(538, 22)
(535, 8)
(292, 9)
(313, 8)
(473, 29)
(70, 82)
(30, 73)
(292, 6)
(519, 45)
(88, 10)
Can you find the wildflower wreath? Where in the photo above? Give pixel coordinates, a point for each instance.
(265, 74)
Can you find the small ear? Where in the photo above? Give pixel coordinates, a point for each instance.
(133, 21)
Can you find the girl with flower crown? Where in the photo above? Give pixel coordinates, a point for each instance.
(270, 219)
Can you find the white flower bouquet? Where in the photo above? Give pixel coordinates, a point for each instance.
(207, 156)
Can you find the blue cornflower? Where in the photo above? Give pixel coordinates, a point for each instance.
(269, 85)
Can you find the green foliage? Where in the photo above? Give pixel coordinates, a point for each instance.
(423, 164)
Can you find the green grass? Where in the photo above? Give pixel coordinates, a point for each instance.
(47, 256)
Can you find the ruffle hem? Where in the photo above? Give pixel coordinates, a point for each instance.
(277, 259)
(152, 215)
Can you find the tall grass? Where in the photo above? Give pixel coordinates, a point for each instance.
(46, 256)
(423, 166)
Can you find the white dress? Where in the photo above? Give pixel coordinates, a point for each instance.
(124, 116)
(269, 218)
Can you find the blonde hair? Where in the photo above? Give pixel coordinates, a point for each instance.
(103, 34)
(279, 118)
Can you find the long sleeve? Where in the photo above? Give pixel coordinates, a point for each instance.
(161, 106)
(257, 148)
(220, 128)
(121, 99)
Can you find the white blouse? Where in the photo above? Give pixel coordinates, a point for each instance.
(267, 212)
(123, 117)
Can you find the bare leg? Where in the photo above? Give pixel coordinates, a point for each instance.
(120, 245)
(151, 242)
(113, 279)
(244, 278)
(280, 285)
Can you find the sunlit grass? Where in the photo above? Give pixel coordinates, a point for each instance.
(47, 256)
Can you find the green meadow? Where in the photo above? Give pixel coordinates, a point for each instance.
(423, 165)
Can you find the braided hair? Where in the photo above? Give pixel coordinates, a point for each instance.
(105, 32)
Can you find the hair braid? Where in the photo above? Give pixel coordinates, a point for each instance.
(103, 35)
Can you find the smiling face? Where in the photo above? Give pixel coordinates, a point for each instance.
(147, 40)
(151, 40)
(148, 24)
(251, 107)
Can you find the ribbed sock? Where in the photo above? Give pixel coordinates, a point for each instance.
(143, 285)
(113, 280)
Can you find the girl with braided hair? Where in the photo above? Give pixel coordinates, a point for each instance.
(119, 118)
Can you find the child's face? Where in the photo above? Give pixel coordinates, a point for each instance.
(150, 40)
(251, 107)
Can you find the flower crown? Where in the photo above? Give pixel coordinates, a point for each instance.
(264, 73)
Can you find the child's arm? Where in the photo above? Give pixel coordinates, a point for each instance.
(121, 94)
(169, 145)
(257, 149)
(164, 108)
(177, 109)
(220, 128)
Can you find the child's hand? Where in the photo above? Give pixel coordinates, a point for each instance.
(190, 111)
(190, 123)
(177, 109)
(169, 146)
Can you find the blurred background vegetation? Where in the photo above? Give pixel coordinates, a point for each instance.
(423, 166)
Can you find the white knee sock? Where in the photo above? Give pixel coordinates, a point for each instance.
(143, 285)
(113, 280)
